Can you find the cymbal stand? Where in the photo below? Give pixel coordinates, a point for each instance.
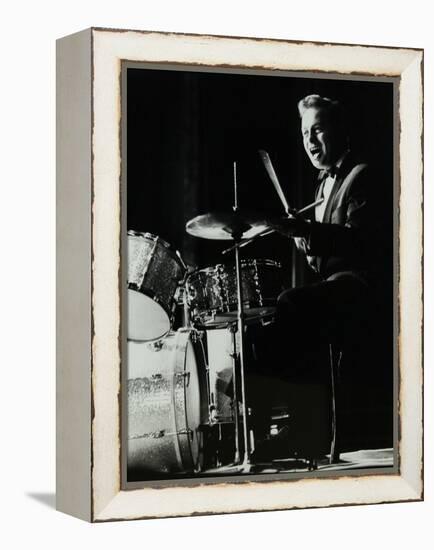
(240, 323)
(233, 330)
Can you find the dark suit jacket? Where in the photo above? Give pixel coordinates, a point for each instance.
(355, 234)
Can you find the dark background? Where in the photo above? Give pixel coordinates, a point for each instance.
(185, 130)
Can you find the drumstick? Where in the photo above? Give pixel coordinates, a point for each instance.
(265, 157)
(269, 231)
(309, 206)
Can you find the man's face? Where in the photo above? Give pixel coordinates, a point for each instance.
(319, 138)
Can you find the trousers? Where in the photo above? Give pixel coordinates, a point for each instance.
(289, 361)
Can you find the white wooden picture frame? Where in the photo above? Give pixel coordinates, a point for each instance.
(89, 290)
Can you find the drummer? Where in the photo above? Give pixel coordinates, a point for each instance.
(345, 241)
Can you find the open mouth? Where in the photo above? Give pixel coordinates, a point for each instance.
(315, 152)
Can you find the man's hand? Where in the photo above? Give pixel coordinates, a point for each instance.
(291, 227)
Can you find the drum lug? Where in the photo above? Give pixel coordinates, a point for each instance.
(213, 418)
(179, 296)
(185, 431)
(196, 336)
(151, 435)
(233, 328)
(156, 346)
(257, 285)
(185, 376)
(191, 293)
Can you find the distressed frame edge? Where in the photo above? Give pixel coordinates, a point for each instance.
(73, 292)
(411, 276)
(253, 38)
(407, 493)
(412, 489)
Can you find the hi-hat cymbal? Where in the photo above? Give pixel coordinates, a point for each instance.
(226, 226)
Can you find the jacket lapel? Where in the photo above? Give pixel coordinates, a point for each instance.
(318, 193)
(340, 177)
(329, 207)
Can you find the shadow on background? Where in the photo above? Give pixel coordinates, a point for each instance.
(48, 499)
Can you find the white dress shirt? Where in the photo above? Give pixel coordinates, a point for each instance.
(329, 183)
(326, 192)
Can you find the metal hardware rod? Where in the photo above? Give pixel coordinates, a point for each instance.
(246, 460)
(235, 207)
(233, 329)
(240, 323)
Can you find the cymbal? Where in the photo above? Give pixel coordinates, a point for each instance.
(226, 226)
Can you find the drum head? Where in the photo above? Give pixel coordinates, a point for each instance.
(147, 320)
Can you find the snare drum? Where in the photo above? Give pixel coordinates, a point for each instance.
(154, 272)
(167, 402)
(212, 292)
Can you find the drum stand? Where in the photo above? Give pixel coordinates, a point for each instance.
(241, 325)
(245, 466)
(233, 330)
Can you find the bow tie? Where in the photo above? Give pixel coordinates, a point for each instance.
(329, 173)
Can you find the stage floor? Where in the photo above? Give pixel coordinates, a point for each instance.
(356, 460)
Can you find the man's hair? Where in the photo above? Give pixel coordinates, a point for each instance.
(332, 107)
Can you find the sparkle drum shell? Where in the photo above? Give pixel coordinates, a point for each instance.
(154, 274)
(212, 292)
(167, 402)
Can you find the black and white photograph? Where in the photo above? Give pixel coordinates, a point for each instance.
(224, 212)
(259, 255)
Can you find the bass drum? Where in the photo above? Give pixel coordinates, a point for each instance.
(167, 403)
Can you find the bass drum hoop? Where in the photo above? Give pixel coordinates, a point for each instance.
(189, 444)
